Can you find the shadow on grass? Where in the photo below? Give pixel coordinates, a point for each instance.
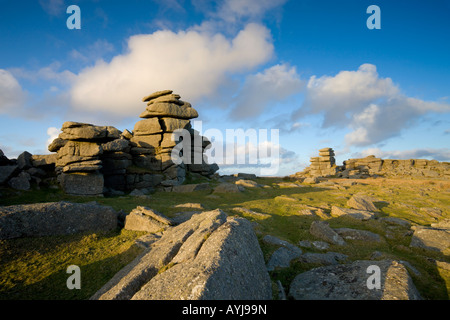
(54, 286)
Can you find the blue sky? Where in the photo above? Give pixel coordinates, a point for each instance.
(311, 69)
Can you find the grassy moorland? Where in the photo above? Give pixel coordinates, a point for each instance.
(35, 268)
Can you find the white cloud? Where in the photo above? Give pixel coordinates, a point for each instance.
(93, 52)
(348, 91)
(52, 7)
(264, 89)
(442, 154)
(12, 97)
(192, 63)
(372, 107)
(52, 135)
(233, 10)
(266, 158)
(50, 73)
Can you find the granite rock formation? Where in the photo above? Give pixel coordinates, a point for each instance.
(324, 166)
(209, 257)
(93, 159)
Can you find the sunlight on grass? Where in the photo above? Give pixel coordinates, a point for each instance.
(34, 268)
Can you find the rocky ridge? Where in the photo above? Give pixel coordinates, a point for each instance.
(324, 166)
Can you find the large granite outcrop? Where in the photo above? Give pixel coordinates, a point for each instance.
(350, 282)
(93, 159)
(55, 218)
(209, 257)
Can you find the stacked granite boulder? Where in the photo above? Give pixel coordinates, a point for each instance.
(323, 165)
(79, 156)
(93, 159)
(154, 139)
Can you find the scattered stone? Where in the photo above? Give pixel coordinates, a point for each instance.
(246, 175)
(349, 282)
(352, 213)
(306, 212)
(305, 243)
(435, 239)
(247, 183)
(396, 221)
(190, 205)
(354, 234)
(145, 219)
(279, 242)
(328, 258)
(154, 215)
(321, 245)
(289, 185)
(55, 218)
(192, 187)
(322, 230)
(361, 202)
(251, 212)
(227, 188)
(443, 224)
(282, 258)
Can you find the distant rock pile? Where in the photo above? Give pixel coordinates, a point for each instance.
(370, 166)
(324, 164)
(92, 159)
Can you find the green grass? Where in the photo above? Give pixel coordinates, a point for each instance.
(35, 268)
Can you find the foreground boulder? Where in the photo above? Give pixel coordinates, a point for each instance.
(322, 230)
(436, 237)
(55, 218)
(146, 219)
(349, 282)
(353, 213)
(361, 202)
(209, 257)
